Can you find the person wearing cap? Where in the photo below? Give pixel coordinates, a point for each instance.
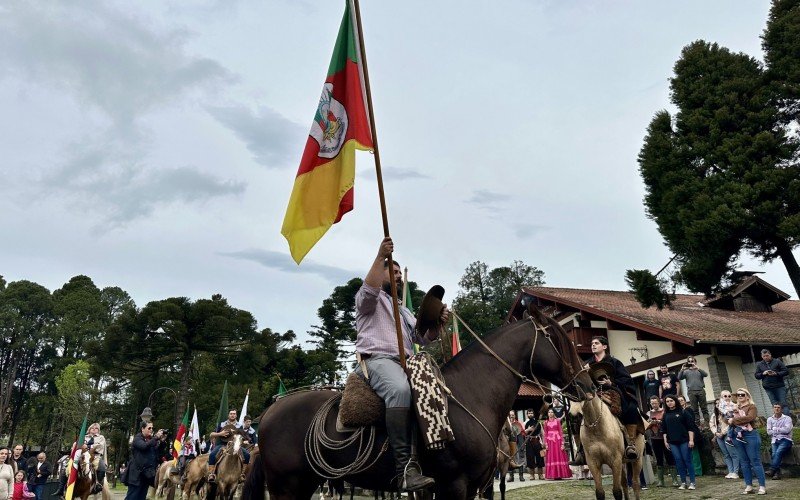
(612, 376)
(378, 354)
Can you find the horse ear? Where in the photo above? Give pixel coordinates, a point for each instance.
(537, 314)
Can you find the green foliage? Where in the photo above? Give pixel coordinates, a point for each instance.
(485, 296)
(75, 393)
(722, 175)
(648, 289)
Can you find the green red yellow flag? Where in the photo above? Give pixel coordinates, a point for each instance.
(177, 445)
(323, 187)
(455, 340)
(72, 465)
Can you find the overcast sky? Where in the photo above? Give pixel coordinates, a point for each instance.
(152, 145)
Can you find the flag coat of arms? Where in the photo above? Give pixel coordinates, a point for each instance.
(323, 187)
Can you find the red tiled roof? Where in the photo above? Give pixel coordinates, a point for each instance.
(529, 390)
(687, 319)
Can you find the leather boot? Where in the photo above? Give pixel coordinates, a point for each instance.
(579, 459)
(212, 476)
(660, 472)
(630, 440)
(98, 485)
(674, 473)
(399, 432)
(521, 475)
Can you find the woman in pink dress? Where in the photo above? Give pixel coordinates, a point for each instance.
(555, 462)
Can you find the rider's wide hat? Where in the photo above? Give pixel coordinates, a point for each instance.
(597, 370)
(430, 311)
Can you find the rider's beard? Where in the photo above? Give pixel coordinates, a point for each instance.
(387, 286)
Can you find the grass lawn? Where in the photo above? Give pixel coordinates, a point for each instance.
(707, 487)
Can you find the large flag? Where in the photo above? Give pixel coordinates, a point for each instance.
(72, 465)
(223, 406)
(456, 342)
(177, 445)
(195, 431)
(244, 408)
(323, 188)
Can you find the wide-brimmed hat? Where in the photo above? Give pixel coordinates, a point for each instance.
(430, 311)
(597, 370)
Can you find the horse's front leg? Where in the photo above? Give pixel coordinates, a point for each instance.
(456, 489)
(597, 475)
(619, 478)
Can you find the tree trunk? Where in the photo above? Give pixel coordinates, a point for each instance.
(785, 252)
(183, 390)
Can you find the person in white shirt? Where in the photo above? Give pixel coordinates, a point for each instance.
(779, 428)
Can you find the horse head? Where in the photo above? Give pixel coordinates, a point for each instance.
(554, 358)
(84, 465)
(235, 445)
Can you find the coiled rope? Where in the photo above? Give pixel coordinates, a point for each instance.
(317, 442)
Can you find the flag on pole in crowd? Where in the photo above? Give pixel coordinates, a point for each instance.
(195, 431)
(281, 388)
(177, 445)
(456, 342)
(72, 465)
(223, 406)
(244, 408)
(323, 187)
(407, 300)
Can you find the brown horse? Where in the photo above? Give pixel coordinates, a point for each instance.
(87, 477)
(230, 464)
(604, 443)
(196, 473)
(535, 347)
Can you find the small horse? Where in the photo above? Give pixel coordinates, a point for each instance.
(196, 473)
(230, 465)
(87, 477)
(503, 462)
(534, 347)
(604, 443)
(167, 477)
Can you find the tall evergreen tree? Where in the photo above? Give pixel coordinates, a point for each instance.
(722, 175)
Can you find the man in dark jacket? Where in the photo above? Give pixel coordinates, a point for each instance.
(771, 372)
(39, 474)
(144, 461)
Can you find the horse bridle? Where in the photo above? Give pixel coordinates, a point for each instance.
(535, 381)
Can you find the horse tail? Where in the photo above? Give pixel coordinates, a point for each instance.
(253, 488)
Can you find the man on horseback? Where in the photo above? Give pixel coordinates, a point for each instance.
(250, 434)
(614, 380)
(224, 433)
(378, 359)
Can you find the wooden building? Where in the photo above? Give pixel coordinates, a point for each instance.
(726, 334)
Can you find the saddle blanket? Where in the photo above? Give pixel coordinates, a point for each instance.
(430, 401)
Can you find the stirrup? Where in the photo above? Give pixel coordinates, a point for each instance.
(212, 478)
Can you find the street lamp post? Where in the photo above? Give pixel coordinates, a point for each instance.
(149, 404)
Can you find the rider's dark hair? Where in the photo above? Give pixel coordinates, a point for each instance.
(386, 263)
(142, 425)
(604, 341)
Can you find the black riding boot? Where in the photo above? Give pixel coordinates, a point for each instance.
(62, 486)
(400, 435)
(98, 485)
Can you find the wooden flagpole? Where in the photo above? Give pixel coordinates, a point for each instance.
(395, 307)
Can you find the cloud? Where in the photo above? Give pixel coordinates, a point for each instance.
(486, 200)
(523, 231)
(284, 263)
(394, 174)
(113, 60)
(273, 139)
(119, 186)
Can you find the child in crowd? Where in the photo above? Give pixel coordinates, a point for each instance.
(735, 431)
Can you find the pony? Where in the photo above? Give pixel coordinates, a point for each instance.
(604, 443)
(196, 473)
(87, 477)
(167, 477)
(230, 465)
(503, 462)
(534, 347)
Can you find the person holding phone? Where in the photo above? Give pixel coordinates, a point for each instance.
(770, 372)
